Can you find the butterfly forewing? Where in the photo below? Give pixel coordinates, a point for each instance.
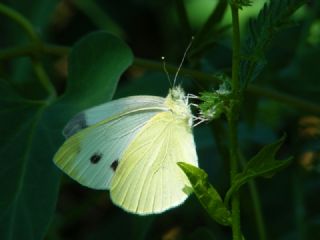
(91, 156)
(113, 109)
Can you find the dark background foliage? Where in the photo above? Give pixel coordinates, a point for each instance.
(288, 78)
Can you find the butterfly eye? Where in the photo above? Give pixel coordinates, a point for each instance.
(95, 158)
(114, 165)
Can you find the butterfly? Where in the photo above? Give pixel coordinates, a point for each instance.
(131, 147)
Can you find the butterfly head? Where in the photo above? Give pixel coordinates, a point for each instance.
(177, 102)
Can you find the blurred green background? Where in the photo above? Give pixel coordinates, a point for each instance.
(290, 200)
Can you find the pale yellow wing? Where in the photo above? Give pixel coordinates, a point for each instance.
(97, 137)
(148, 179)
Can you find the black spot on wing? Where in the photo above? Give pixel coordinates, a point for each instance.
(95, 158)
(114, 165)
(76, 124)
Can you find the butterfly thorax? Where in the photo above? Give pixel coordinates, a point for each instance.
(177, 102)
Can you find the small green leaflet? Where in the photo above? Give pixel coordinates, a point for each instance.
(241, 3)
(216, 102)
(263, 164)
(273, 17)
(206, 194)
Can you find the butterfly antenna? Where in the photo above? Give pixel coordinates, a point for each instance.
(165, 69)
(183, 58)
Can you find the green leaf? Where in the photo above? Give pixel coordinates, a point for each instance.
(94, 61)
(272, 18)
(31, 134)
(214, 103)
(207, 194)
(263, 164)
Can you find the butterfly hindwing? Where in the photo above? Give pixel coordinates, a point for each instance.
(148, 179)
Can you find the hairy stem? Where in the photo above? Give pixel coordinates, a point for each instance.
(233, 120)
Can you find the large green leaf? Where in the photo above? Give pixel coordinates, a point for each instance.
(263, 164)
(31, 133)
(207, 194)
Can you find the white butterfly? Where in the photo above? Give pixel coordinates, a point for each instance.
(131, 146)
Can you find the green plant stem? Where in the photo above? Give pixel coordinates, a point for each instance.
(44, 79)
(288, 99)
(257, 210)
(32, 49)
(50, 49)
(153, 65)
(21, 21)
(299, 205)
(36, 41)
(256, 203)
(235, 51)
(232, 117)
(235, 200)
